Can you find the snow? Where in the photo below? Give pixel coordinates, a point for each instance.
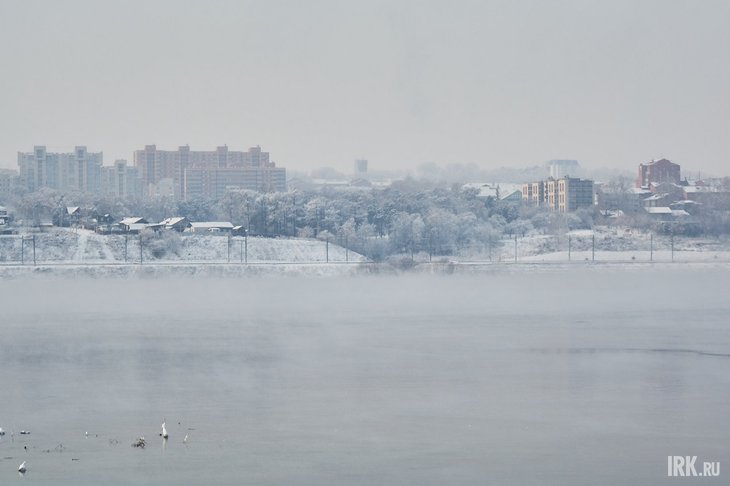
(212, 224)
(659, 210)
(70, 252)
(74, 246)
(131, 220)
(611, 245)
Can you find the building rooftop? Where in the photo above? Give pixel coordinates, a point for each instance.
(131, 220)
(659, 210)
(212, 224)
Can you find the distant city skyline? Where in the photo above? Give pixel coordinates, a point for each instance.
(324, 83)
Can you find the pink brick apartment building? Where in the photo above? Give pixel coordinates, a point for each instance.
(661, 170)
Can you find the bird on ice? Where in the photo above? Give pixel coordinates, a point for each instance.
(21, 468)
(164, 431)
(2, 432)
(185, 440)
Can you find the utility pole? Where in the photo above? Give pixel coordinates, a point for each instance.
(125, 247)
(228, 249)
(593, 250)
(569, 245)
(327, 249)
(672, 242)
(651, 247)
(430, 247)
(245, 243)
(241, 251)
(515, 247)
(33, 250)
(22, 250)
(140, 248)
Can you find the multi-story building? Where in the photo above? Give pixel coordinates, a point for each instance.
(215, 182)
(534, 193)
(121, 180)
(551, 194)
(79, 170)
(527, 193)
(8, 183)
(574, 193)
(360, 169)
(661, 170)
(563, 195)
(538, 193)
(208, 170)
(562, 168)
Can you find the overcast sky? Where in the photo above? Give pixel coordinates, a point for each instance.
(320, 83)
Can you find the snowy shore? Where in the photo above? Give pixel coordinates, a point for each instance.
(326, 270)
(68, 253)
(185, 270)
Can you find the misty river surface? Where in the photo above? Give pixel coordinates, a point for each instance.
(554, 377)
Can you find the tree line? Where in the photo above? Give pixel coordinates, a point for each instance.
(409, 216)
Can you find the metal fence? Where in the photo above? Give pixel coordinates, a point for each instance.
(86, 248)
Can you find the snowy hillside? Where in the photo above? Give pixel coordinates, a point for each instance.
(611, 244)
(85, 246)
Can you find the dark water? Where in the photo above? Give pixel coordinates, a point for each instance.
(578, 377)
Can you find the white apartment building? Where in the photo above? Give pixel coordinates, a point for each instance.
(121, 180)
(79, 170)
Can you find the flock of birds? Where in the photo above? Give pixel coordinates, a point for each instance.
(140, 442)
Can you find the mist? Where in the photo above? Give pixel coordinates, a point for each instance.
(498, 84)
(410, 379)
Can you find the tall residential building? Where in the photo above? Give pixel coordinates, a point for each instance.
(563, 167)
(551, 194)
(361, 169)
(121, 180)
(574, 193)
(79, 170)
(157, 165)
(215, 182)
(8, 183)
(563, 195)
(661, 170)
(534, 193)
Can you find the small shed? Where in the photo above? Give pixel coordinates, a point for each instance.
(133, 224)
(211, 227)
(179, 223)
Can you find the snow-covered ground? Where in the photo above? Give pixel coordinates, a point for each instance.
(71, 246)
(67, 252)
(611, 245)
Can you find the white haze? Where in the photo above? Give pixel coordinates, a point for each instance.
(527, 378)
(323, 82)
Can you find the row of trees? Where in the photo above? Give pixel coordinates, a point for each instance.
(407, 217)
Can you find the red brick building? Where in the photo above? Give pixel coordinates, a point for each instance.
(661, 170)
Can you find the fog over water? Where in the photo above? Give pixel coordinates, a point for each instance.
(572, 377)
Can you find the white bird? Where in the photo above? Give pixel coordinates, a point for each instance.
(2, 432)
(185, 440)
(21, 468)
(164, 431)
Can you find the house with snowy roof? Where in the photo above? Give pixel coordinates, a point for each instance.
(211, 227)
(179, 223)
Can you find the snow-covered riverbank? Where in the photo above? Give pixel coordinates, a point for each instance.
(79, 246)
(186, 270)
(327, 270)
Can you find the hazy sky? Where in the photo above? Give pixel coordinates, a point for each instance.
(498, 83)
